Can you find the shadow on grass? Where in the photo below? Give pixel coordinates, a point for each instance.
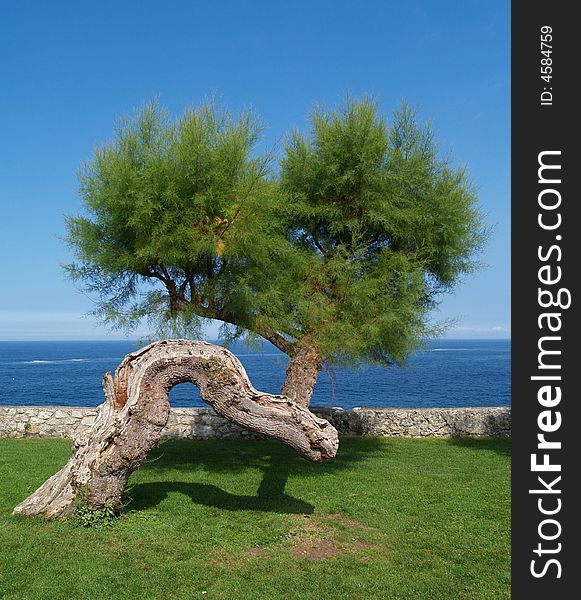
(276, 461)
(234, 456)
(499, 445)
(270, 497)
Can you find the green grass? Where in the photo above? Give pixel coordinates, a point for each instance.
(387, 519)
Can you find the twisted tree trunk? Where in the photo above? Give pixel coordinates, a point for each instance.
(136, 409)
(301, 375)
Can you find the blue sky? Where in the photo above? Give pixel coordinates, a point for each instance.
(68, 69)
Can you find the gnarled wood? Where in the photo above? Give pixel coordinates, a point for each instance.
(301, 375)
(136, 409)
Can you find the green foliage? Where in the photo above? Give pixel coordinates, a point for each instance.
(95, 517)
(387, 225)
(176, 212)
(347, 248)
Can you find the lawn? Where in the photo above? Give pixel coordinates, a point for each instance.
(387, 519)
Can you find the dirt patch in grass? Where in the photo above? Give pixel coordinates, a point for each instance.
(316, 549)
(325, 537)
(311, 537)
(348, 523)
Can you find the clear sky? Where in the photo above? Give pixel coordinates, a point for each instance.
(67, 69)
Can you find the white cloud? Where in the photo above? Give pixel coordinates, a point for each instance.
(479, 330)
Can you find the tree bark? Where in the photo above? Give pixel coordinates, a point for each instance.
(301, 375)
(136, 409)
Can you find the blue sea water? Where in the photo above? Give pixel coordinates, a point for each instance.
(449, 373)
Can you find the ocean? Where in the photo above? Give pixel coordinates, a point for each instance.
(448, 373)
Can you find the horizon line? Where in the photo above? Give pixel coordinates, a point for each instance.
(217, 339)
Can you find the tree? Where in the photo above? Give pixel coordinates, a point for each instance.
(339, 256)
(136, 409)
(385, 227)
(177, 221)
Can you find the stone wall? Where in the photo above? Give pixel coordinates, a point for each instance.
(204, 423)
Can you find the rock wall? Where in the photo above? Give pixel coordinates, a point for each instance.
(204, 423)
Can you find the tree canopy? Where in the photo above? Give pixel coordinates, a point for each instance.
(177, 218)
(339, 252)
(388, 223)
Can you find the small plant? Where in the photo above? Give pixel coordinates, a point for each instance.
(95, 517)
(89, 515)
(142, 515)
